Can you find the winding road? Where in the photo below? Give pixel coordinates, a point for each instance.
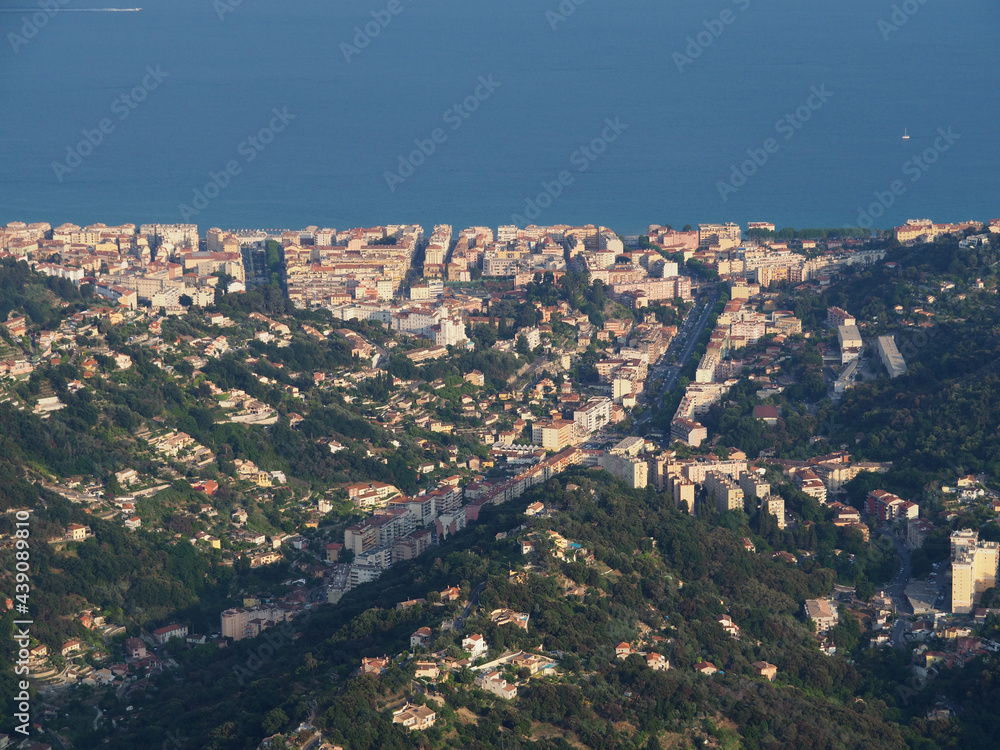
(471, 604)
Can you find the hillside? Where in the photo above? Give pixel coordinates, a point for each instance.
(654, 572)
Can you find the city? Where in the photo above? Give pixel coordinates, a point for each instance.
(296, 416)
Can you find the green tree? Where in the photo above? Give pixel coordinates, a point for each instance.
(274, 720)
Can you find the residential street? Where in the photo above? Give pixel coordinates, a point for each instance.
(693, 327)
(896, 590)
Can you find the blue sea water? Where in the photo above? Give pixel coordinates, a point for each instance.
(693, 84)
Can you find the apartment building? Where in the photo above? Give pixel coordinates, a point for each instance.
(70, 273)
(325, 276)
(836, 317)
(595, 414)
(504, 262)
(849, 338)
(673, 241)
(807, 481)
(785, 323)
(361, 538)
(973, 569)
(423, 508)
(178, 235)
(774, 505)
(924, 228)
(208, 263)
(723, 235)
(609, 241)
(164, 634)
(381, 491)
(241, 622)
(630, 446)
(633, 471)
(450, 331)
(688, 432)
(436, 323)
(724, 491)
(697, 471)
(553, 434)
(823, 613)
(753, 484)
(119, 294)
(412, 545)
(655, 288)
(363, 573)
(891, 359)
(532, 336)
(683, 491)
(889, 508)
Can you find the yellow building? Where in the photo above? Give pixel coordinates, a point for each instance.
(973, 569)
(726, 492)
(774, 505)
(739, 290)
(911, 232)
(76, 533)
(684, 493)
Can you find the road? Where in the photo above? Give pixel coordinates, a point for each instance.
(896, 590)
(470, 605)
(692, 327)
(692, 341)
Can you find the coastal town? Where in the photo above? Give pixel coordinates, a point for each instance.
(424, 381)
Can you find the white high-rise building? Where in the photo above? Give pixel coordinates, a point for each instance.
(593, 416)
(609, 242)
(450, 332)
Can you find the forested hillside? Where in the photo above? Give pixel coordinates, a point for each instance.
(653, 568)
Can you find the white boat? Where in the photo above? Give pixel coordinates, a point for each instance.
(906, 136)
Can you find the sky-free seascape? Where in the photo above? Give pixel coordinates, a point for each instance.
(555, 81)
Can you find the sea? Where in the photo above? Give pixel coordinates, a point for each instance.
(343, 113)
